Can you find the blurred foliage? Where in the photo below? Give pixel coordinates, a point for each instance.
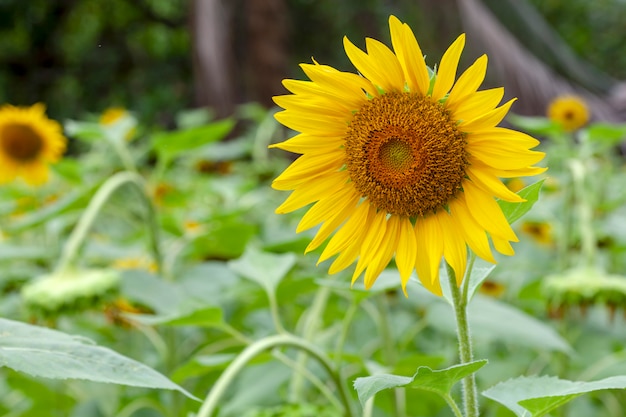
(594, 29)
(84, 55)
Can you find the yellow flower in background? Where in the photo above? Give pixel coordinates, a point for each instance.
(398, 165)
(140, 263)
(569, 111)
(29, 142)
(516, 184)
(112, 115)
(541, 232)
(492, 288)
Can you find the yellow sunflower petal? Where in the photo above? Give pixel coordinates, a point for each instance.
(319, 106)
(492, 185)
(407, 248)
(319, 190)
(429, 240)
(502, 156)
(344, 85)
(512, 173)
(335, 220)
(371, 242)
(312, 123)
(468, 82)
(348, 233)
(322, 209)
(472, 232)
(446, 73)
(487, 120)
(410, 56)
(383, 256)
(346, 99)
(304, 143)
(454, 246)
(476, 104)
(375, 72)
(380, 53)
(503, 246)
(501, 135)
(306, 167)
(487, 212)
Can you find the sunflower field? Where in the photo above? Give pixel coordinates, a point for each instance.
(401, 226)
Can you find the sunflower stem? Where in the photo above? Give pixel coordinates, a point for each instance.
(459, 299)
(79, 233)
(221, 385)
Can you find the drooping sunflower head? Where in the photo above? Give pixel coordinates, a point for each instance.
(569, 111)
(399, 164)
(29, 141)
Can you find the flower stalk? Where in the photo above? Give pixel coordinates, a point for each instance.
(226, 378)
(460, 300)
(79, 233)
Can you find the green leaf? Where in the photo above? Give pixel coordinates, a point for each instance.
(170, 144)
(85, 131)
(76, 199)
(367, 387)
(43, 352)
(538, 395)
(437, 381)
(535, 125)
(495, 320)
(606, 132)
(513, 211)
(205, 317)
(266, 269)
(442, 381)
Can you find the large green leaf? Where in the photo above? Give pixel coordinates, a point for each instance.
(266, 269)
(514, 211)
(538, 395)
(495, 320)
(43, 352)
(170, 144)
(437, 381)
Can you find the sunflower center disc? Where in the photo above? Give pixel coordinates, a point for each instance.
(405, 154)
(20, 142)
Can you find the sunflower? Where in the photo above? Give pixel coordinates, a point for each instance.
(399, 162)
(112, 114)
(29, 141)
(569, 111)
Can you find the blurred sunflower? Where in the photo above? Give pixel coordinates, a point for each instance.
(541, 232)
(399, 163)
(29, 141)
(569, 111)
(111, 115)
